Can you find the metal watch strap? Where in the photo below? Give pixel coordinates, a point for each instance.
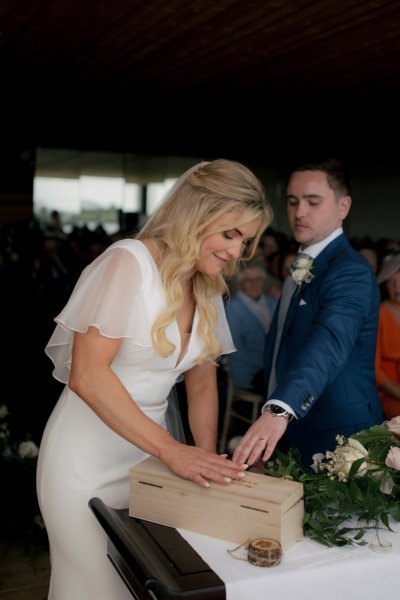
(278, 411)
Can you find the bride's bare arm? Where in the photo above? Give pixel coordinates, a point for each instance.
(93, 380)
(202, 399)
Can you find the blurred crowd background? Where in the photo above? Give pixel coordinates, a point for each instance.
(39, 267)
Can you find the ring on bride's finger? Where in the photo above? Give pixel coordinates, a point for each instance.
(262, 440)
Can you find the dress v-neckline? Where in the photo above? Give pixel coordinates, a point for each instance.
(184, 339)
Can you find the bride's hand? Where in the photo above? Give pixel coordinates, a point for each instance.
(198, 465)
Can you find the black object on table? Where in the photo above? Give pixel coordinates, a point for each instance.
(154, 561)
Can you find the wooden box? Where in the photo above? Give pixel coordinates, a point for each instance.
(258, 506)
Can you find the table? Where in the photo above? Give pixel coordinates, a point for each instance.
(308, 569)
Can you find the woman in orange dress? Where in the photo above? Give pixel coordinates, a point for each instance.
(388, 342)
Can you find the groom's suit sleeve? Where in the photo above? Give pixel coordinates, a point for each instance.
(322, 333)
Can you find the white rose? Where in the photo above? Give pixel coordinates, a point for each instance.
(3, 411)
(317, 460)
(301, 270)
(28, 449)
(304, 263)
(299, 275)
(344, 456)
(393, 458)
(394, 426)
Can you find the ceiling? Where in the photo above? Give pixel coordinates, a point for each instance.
(221, 77)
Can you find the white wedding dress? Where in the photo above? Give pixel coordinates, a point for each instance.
(80, 457)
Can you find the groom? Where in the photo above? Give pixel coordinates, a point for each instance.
(320, 353)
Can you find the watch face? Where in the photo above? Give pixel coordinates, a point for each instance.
(279, 410)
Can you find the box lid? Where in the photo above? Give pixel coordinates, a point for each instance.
(255, 488)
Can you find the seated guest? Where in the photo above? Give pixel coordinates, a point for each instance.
(388, 342)
(287, 260)
(371, 257)
(249, 312)
(273, 245)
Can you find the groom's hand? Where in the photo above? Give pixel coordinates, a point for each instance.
(260, 440)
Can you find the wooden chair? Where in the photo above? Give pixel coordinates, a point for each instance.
(234, 395)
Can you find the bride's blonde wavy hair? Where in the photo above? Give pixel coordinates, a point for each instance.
(200, 197)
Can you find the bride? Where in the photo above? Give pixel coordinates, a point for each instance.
(145, 313)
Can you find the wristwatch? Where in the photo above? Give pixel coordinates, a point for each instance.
(279, 411)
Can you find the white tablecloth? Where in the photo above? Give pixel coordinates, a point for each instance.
(308, 570)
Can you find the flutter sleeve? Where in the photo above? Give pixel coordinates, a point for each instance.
(223, 332)
(108, 295)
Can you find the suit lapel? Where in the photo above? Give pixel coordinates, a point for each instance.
(320, 264)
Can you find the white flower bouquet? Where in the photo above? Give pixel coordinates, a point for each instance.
(357, 482)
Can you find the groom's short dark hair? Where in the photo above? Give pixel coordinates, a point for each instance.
(336, 172)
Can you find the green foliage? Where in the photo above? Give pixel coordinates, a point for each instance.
(340, 510)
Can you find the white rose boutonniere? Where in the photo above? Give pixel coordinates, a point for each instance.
(300, 271)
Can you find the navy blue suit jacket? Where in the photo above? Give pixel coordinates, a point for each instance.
(325, 368)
